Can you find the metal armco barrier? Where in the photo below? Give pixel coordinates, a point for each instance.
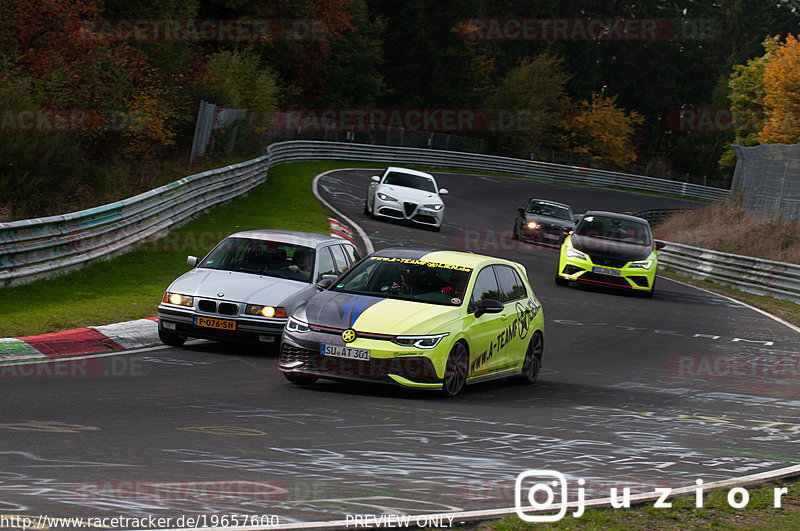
(39, 248)
(294, 151)
(753, 275)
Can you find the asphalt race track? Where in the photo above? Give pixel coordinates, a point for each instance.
(634, 392)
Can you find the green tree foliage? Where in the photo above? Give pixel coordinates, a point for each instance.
(533, 91)
(239, 81)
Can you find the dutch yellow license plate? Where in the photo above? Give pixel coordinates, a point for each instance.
(210, 322)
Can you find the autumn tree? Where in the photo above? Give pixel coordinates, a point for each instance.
(601, 128)
(781, 83)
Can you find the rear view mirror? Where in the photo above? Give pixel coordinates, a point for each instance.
(443, 191)
(375, 179)
(191, 260)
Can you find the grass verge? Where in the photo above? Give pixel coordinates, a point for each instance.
(130, 286)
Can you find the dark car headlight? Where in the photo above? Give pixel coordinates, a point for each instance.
(296, 325)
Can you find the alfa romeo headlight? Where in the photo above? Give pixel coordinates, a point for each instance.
(384, 197)
(434, 207)
(425, 342)
(642, 264)
(178, 299)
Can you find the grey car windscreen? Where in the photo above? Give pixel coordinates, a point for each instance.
(262, 257)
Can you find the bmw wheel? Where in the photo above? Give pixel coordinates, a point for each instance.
(171, 338)
(455, 371)
(533, 361)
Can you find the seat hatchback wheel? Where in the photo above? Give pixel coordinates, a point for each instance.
(532, 364)
(455, 372)
(561, 281)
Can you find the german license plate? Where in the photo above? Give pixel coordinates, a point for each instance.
(339, 351)
(606, 271)
(210, 322)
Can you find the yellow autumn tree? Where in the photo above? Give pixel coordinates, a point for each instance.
(152, 117)
(781, 100)
(600, 128)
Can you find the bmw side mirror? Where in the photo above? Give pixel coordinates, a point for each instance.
(326, 281)
(375, 179)
(443, 191)
(660, 245)
(191, 260)
(488, 306)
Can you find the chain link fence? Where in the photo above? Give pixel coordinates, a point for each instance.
(768, 179)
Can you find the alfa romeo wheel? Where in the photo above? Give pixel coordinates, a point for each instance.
(455, 371)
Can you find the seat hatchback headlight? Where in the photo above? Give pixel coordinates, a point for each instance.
(296, 325)
(572, 252)
(420, 341)
(641, 264)
(384, 197)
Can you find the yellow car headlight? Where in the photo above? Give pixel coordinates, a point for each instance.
(572, 252)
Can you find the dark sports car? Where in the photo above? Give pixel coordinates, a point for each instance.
(543, 221)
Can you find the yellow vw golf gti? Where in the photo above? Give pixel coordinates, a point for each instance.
(420, 319)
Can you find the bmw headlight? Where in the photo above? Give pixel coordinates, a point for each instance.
(178, 299)
(296, 325)
(641, 264)
(265, 311)
(420, 341)
(435, 207)
(572, 252)
(384, 197)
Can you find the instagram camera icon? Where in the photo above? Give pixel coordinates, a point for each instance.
(546, 481)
